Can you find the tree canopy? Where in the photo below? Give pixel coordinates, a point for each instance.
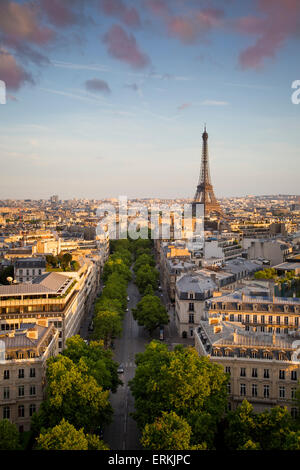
(72, 394)
(96, 359)
(65, 436)
(9, 436)
(168, 432)
(272, 429)
(179, 381)
(150, 312)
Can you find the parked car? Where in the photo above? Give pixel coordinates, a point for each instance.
(128, 298)
(120, 369)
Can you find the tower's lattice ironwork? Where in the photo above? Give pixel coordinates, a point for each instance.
(205, 193)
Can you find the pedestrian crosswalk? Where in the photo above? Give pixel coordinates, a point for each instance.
(129, 364)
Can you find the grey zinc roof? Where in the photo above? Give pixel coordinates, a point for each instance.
(20, 340)
(243, 338)
(195, 283)
(48, 283)
(30, 263)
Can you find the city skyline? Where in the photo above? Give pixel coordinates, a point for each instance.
(110, 98)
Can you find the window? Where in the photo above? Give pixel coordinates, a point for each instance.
(228, 388)
(266, 374)
(191, 306)
(21, 411)
(254, 390)
(6, 393)
(254, 354)
(32, 409)
(227, 370)
(32, 372)
(286, 320)
(270, 319)
(254, 372)
(296, 321)
(239, 318)
(294, 413)
(266, 391)
(278, 320)
(282, 374)
(21, 391)
(231, 317)
(243, 372)
(281, 391)
(6, 412)
(293, 375)
(191, 318)
(21, 373)
(247, 318)
(254, 318)
(262, 319)
(243, 390)
(293, 392)
(191, 296)
(262, 329)
(6, 375)
(32, 390)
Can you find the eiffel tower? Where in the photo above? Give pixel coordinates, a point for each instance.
(205, 193)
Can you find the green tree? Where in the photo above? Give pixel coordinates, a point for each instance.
(107, 326)
(116, 265)
(182, 382)
(112, 305)
(143, 260)
(65, 436)
(146, 275)
(74, 395)
(150, 313)
(241, 426)
(168, 432)
(9, 436)
(270, 430)
(96, 358)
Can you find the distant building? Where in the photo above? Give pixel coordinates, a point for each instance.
(23, 369)
(26, 269)
(192, 290)
(263, 368)
(62, 298)
(273, 250)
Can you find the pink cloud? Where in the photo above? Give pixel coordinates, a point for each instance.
(158, 7)
(11, 73)
(191, 28)
(123, 46)
(280, 20)
(59, 13)
(20, 22)
(116, 8)
(184, 106)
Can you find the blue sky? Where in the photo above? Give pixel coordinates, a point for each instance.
(110, 97)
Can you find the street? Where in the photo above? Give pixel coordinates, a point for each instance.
(123, 434)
